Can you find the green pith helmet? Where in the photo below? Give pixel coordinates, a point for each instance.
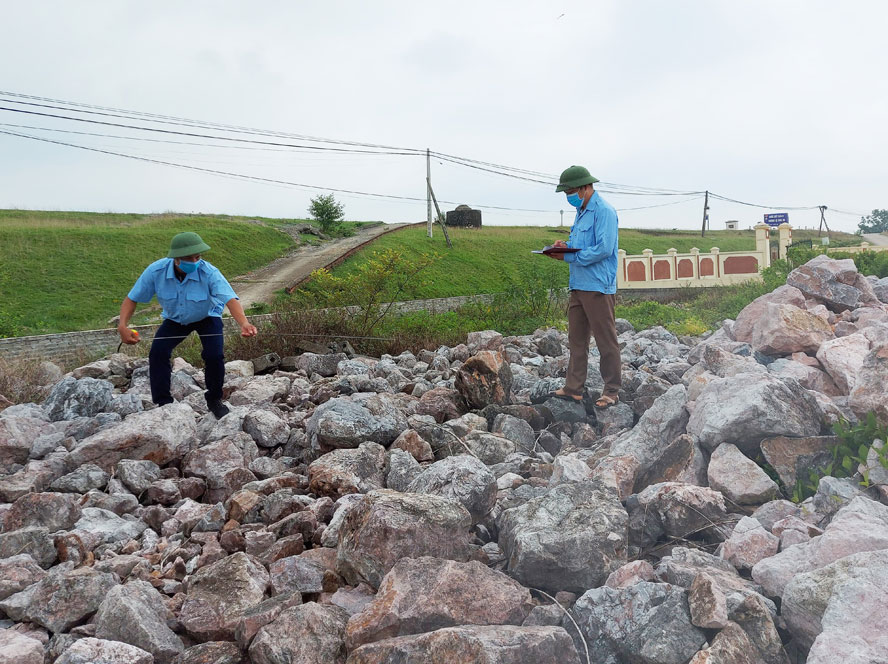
(187, 244)
(573, 177)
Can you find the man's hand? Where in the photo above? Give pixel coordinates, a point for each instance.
(128, 336)
(558, 256)
(248, 330)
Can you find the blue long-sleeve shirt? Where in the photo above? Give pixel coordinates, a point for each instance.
(594, 233)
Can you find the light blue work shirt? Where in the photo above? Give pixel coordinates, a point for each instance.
(594, 233)
(201, 293)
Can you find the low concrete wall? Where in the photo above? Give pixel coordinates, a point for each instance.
(88, 344)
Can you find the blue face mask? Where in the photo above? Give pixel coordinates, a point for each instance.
(575, 200)
(187, 267)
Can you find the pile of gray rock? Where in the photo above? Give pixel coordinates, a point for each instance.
(444, 507)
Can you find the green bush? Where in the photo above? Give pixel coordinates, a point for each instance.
(326, 211)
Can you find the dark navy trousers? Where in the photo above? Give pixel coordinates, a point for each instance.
(169, 335)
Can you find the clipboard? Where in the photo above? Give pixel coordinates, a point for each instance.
(554, 250)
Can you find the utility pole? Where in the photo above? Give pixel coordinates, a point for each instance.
(823, 223)
(705, 214)
(429, 190)
(561, 223)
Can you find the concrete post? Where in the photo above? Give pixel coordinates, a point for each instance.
(621, 268)
(763, 244)
(784, 239)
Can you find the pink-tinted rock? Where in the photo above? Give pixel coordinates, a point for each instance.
(441, 403)
(843, 358)
(60, 600)
(708, 604)
(214, 461)
(835, 283)
(748, 544)
(411, 442)
(504, 644)
(617, 472)
(861, 525)
(785, 329)
(161, 435)
(17, 648)
(792, 458)
(219, 594)
(483, 340)
(630, 574)
(346, 471)
(684, 509)
(869, 392)
(485, 378)
(739, 478)
(730, 646)
(388, 525)
(256, 617)
(308, 634)
(747, 319)
(793, 530)
(463, 593)
(811, 378)
(99, 651)
(16, 436)
(53, 511)
(682, 461)
(17, 573)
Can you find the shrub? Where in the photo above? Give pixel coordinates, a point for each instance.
(326, 211)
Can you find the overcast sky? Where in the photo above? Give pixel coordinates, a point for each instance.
(777, 103)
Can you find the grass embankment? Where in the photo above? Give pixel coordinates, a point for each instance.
(66, 271)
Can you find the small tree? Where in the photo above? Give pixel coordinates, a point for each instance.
(877, 222)
(326, 211)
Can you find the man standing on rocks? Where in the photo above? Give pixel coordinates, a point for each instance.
(593, 285)
(192, 293)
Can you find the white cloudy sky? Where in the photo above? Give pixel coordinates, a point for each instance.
(777, 102)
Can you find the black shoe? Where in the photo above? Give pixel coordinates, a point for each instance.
(218, 409)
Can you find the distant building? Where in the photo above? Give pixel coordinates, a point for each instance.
(732, 225)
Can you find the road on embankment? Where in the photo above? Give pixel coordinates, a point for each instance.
(260, 285)
(879, 239)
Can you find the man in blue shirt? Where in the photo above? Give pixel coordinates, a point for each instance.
(593, 285)
(193, 294)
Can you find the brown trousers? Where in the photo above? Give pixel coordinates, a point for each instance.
(591, 313)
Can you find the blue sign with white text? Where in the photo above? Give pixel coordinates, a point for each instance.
(777, 218)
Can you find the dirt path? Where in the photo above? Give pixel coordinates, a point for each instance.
(260, 285)
(879, 239)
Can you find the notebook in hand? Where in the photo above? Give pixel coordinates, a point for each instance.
(554, 250)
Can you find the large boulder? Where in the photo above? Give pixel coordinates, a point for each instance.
(461, 478)
(746, 408)
(786, 329)
(869, 393)
(17, 573)
(342, 422)
(72, 398)
(793, 458)
(834, 609)
(835, 283)
(645, 622)
(862, 525)
(571, 538)
(17, 434)
(309, 634)
(60, 600)
(843, 359)
(219, 593)
(53, 511)
(135, 613)
(739, 478)
(485, 378)
(749, 317)
(100, 651)
(500, 644)
(684, 510)
(160, 435)
(387, 525)
(344, 471)
(462, 594)
(16, 648)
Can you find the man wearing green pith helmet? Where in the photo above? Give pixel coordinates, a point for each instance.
(193, 294)
(593, 287)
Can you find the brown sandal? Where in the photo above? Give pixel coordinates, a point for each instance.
(605, 401)
(558, 394)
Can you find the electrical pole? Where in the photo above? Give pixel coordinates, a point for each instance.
(561, 223)
(823, 223)
(705, 214)
(429, 190)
